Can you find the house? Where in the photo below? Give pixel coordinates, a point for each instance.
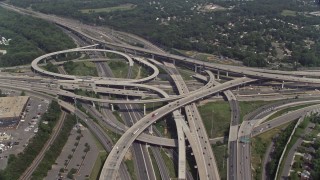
(310, 150)
(3, 52)
(305, 175)
(307, 157)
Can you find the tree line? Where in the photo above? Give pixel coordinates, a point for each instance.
(243, 30)
(31, 37)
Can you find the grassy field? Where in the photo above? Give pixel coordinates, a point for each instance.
(160, 125)
(130, 166)
(297, 134)
(99, 161)
(220, 153)
(249, 106)
(208, 57)
(139, 72)
(122, 7)
(169, 163)
(117, 115)
(166, 127)
(82, 69)
(114, 136)
(186, 73)
(259, 147)
(218, 113)
(102, 156)
(288, 13)
(119, 68)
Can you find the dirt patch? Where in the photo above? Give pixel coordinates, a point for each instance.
(128, 155)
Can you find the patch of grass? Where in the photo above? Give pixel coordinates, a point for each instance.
(248, 106)
(139, 71)
(119, 68)
(216, 115)
(86, 93)
(168, 125)
(117, 115)
(81, 68)
(299, 131)
(298, 161)
(259, 147)
(220, 153)
(150, 107)
(186, 74)
(288, 13)
(169, 163)
(114, 136)
(207, 57)
(155, 166)
(160, 125)
(122, 7)
(283, 111)
(102, 156)
(130, 166)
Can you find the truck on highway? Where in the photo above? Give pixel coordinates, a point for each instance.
(153, 115)
(136, 131)
(245, 140)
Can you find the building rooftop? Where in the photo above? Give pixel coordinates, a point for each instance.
(12, 106)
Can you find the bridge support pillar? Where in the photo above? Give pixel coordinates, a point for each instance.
(112, 107)
(150, 129)
(144, 109)
(282, 85)
(195, 68)
(135, 52)
(227, 74)
(238, 88)
(45, 61)
(218, 75)
(174, 62)
(152, 55)
(93, 104)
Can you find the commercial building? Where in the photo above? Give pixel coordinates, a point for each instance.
(11, 110)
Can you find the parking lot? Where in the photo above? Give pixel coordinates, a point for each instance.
(79, 153)
(26, 129)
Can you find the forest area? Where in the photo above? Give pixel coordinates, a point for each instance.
(30, 38)
(259, 33)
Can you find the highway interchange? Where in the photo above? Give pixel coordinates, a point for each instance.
(135, 131)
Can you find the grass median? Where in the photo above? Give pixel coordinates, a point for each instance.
(221, 154)
(259, 147)
(216, 118)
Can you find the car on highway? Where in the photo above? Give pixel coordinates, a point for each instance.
(154, 114)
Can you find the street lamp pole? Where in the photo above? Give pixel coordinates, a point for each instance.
(75, 105)
(211, 123)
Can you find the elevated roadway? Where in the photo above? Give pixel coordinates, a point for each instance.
(251, 127)
(115, 157)
(233, 132)
(205, 159)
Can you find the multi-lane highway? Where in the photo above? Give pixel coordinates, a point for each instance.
(239, 166)
(115, 157)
